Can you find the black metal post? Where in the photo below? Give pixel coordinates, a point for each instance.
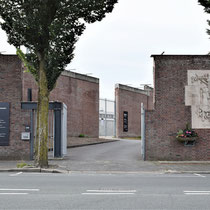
(32, 136)
(57, 132)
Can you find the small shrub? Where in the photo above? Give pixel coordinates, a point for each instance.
(21, 165)
(187, 132)
(81, 135)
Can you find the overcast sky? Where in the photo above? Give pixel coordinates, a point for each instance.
(118, 49)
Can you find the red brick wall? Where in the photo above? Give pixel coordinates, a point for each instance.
(81, 95)
(10, 91)
(129, 99)
(170, 113)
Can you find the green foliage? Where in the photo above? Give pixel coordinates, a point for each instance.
(188, 126)
(81, 135)
(29, 68)
(49, 29)
(24, 165)
(21, 165)
(180, 132)
(187, 132)
(206, 5)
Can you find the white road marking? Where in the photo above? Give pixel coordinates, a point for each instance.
(7, 189)
(16, 174)
(108, 193)
(112, 191)
(180, 176)
(13, 193)
(41, 174)
(200, 175)
(197, 192)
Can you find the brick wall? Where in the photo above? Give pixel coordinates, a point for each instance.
(170, 113)
(10, 91)
(129, 99)
(81, 95)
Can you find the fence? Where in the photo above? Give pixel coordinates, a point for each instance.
(143, 132)
(107, 118)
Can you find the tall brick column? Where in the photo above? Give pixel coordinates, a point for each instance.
(11, 92)
(171, 113)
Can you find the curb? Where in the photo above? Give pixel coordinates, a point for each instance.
(45, 170)
(21, 170)
(57, 171)
(141, 172)
(184, 162)
(32, 170)
(186, 172)
(83, 145)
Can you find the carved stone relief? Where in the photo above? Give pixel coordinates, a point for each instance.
(197, 95)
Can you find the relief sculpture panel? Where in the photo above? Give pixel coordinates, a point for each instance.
(197, 95)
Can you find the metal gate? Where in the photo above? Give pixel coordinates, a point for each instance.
(107, 119)
(57, 127)
(143, 131)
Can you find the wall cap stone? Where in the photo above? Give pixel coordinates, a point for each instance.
(176, 55)
(132, 89)
(80, 76)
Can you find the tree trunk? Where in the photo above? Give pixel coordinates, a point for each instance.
(41, 149)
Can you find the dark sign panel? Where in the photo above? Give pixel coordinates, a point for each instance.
(4, 124)
(125, 121)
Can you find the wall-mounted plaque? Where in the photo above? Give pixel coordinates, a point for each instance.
(197, 95)
(125, 121)
(4, 124)
(25, 136)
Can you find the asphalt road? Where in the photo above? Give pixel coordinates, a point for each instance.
(104, 191)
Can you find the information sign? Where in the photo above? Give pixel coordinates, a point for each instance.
(125, 121)
(4, 124)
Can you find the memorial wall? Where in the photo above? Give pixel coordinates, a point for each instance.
(181, 96)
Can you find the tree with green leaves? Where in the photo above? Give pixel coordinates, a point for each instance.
(49, 29)
(206, 5)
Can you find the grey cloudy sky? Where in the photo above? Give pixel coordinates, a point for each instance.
(118, 49)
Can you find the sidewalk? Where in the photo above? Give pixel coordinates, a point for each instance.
(9, 165)
(58, 166)
(63, 165)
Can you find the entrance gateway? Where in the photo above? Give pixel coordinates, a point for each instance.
(107, 118)
(57, 127)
